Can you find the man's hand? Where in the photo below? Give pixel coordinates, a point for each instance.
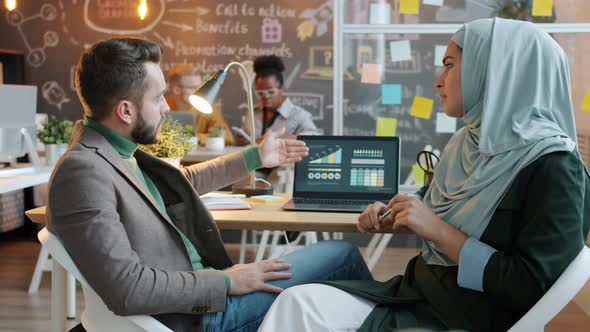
(275, 151)
(241, 140)
(249, 278)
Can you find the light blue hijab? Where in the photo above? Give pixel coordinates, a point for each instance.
(517, 108)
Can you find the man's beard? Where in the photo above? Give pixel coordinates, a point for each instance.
(143, 133)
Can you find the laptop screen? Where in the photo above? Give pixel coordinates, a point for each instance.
(357, 167)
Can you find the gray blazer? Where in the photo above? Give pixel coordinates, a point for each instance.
(125, 246)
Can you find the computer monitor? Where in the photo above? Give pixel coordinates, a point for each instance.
(184, 117)
(18, 106)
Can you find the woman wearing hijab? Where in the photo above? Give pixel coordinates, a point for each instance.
(507, 211)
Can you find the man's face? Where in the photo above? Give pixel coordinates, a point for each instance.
(269, 91)
(153, 113)
(185, 86)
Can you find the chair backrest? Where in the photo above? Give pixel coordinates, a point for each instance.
(558, 296)
(96, 315)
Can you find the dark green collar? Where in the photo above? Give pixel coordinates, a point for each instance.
(124, 146)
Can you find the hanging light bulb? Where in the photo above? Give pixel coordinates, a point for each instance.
(142, 9)
(10, 4)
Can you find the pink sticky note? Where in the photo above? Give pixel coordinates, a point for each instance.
(371, 73)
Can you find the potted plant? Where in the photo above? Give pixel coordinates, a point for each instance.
(174, 143)
(55, 135)
(216, 139)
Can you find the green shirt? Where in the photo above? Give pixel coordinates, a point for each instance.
(126, 148)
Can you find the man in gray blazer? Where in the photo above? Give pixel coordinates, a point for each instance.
(135, 226)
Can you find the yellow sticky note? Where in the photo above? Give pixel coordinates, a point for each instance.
(409, 7)
(422, 107)
(418, 174)
(386, 126)
(371, 73)
(542, 7)
(586, 102)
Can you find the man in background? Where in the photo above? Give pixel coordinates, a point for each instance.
(183, 80)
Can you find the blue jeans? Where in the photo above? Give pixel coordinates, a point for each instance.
(325, 260)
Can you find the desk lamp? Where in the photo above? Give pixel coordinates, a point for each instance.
(204, 97)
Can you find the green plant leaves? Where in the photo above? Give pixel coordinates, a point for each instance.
(174, 141)
(55, 131)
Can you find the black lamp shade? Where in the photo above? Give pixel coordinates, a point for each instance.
(205, 95)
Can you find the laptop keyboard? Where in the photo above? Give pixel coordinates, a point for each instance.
(325, 201)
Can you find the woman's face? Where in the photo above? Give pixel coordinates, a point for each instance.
(449, 82)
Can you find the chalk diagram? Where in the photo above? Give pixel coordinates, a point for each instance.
(36, 55)
(120, 18)
(54, 94)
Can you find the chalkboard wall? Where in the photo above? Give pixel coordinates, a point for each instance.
(209, 34)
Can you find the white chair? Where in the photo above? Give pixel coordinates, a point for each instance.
(96, 316)
(558, 296)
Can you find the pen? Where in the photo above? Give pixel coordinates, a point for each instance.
(385, 215)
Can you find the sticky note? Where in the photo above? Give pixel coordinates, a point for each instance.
(267, 199)
(445, 123)
(371, 73)
(380, 13)
(418, 174)
(433, 2)
(586, 102)
(439, 54)
(542, 7)
(400, 50)
(386, 127)
(391, 94)
(422, 107)
(409, 7)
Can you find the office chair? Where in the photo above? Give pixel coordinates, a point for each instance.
(558, 296)
(96, 315)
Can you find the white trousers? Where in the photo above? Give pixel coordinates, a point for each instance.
(316, 307)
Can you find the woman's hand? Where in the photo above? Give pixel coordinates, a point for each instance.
(368, 221)
(411, 215)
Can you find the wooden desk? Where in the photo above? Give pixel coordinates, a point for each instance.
(266, 217)
(202, 154)
(262, 217)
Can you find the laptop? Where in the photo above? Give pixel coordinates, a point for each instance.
(185, 118)
(345, 173)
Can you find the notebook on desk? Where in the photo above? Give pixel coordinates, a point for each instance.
(345, 173)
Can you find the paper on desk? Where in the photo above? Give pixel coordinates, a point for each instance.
(215, 202)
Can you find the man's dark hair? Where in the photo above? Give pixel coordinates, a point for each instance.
(269, 65)
(112, 70)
